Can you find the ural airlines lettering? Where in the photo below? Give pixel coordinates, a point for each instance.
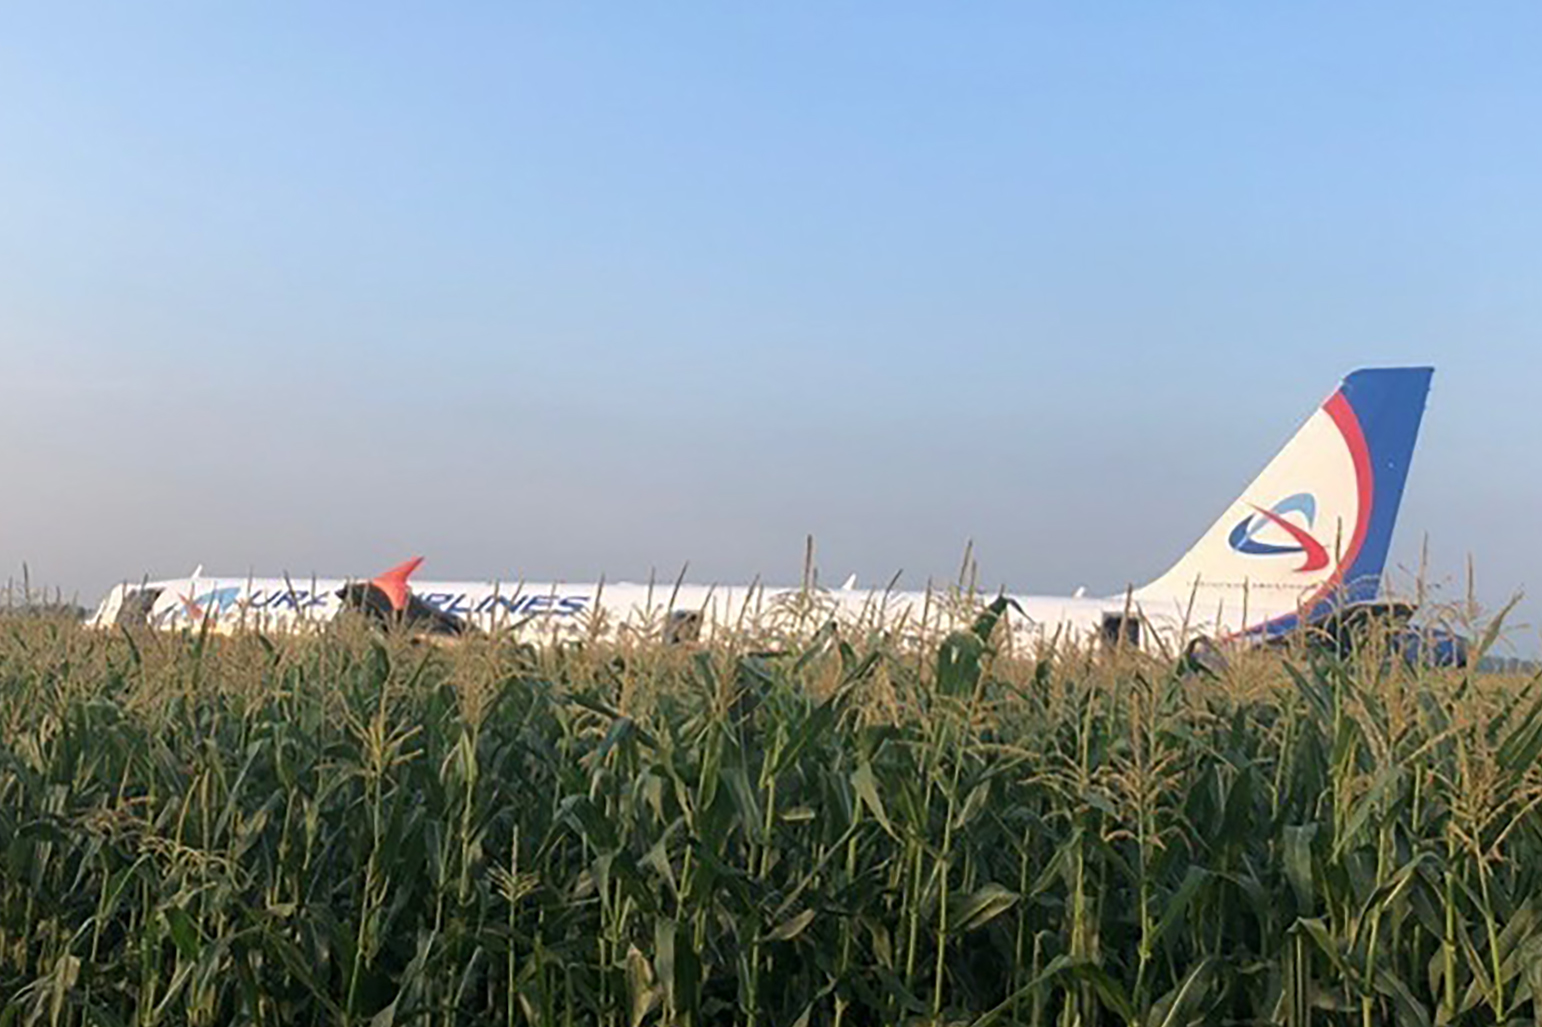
(460, 604)
(279, 599)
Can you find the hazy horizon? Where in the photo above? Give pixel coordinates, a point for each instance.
(561, 293)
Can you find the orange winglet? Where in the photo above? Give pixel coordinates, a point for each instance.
(394, 582)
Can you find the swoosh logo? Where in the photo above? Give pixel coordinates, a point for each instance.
(1315, 554)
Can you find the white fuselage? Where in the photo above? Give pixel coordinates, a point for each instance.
(548, 611)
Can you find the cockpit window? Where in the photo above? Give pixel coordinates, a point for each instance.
(682, 626)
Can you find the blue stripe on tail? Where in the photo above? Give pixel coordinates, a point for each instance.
(1389, 404)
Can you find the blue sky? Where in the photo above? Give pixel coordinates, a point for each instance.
(563, 290)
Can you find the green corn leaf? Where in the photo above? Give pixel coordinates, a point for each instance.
(866, 787)
(1185, 1004)
(1297, 850)
(978, 908)
(790, 928)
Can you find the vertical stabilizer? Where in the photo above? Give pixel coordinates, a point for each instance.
(1314, 528)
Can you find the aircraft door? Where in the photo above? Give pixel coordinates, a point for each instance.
(1121, 630)
(134, 610)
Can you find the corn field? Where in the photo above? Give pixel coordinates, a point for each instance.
(362, 830)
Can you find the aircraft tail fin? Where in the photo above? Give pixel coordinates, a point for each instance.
(1315, 526)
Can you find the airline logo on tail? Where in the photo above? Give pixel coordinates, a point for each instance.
(1244, 537)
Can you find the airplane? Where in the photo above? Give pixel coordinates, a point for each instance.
(1305, 542)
